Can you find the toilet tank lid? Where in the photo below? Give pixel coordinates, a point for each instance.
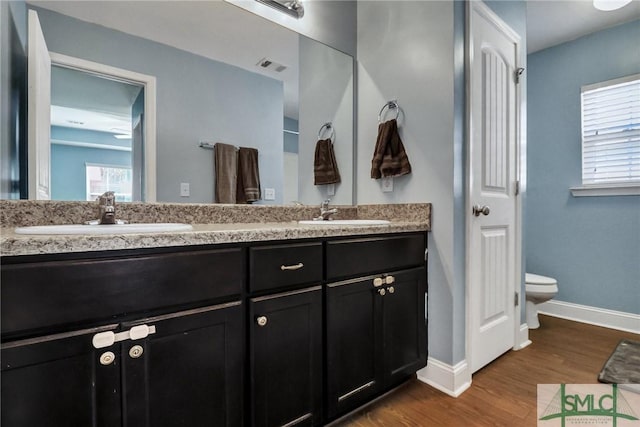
(536, 279)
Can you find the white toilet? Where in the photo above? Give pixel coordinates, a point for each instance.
(539, 289)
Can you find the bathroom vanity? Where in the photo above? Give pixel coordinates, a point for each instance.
(254, 331)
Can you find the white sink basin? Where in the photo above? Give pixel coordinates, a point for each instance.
(336, 222)
(103, 228)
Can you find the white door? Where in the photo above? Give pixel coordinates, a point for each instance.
(491, 233)
(39, 116)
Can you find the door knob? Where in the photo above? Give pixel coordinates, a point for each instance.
(262, 320)
(477, 210)
(382, 292)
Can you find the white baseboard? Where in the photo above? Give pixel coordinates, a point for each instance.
(452, 380)
(522, 340)
(612, 319)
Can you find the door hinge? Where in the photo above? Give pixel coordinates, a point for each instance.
(426, 254)
(518, 73)
(516, 299)
(517, 187)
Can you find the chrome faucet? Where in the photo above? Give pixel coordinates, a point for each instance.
(107, 208)
(325, 212)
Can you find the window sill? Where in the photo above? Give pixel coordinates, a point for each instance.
(606, 190)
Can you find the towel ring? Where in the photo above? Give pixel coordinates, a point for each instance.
(327, 126)
(390, 105)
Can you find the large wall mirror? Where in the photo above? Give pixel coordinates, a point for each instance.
(222, 75)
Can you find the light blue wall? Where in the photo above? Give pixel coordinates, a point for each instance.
(406, 52)
(192, 104)
(68, 173)
(427, 40)
(591, 245)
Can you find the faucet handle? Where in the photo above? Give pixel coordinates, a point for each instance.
(108, 198)
(107, 208)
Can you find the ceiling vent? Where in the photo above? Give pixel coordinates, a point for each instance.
(270, 65)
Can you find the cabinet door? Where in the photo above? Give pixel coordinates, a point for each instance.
(354, 344)
(187, 373)
(404, 325)
(58, 380)
(286, 358)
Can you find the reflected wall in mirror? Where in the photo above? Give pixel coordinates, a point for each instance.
(223, 75)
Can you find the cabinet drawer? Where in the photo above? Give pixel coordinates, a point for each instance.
(54, 293)
(355, 257)
(284, 265)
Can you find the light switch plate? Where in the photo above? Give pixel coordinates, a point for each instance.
(387, 185)
(184, 189)
(269, 193)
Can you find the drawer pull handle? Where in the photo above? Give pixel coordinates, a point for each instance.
(298, 266)
(389, 280)
(262, 320)
(377, 282)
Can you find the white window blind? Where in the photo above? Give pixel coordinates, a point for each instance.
(611, 132)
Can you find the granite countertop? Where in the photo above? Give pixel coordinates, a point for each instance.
(12, 244)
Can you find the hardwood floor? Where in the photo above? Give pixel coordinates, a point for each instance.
(504, 392)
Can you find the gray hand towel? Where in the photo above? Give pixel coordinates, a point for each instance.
(389, 157)
(248, 189)
(325, 167)
(226, 169)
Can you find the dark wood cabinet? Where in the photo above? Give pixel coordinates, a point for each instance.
(376, 336)
(404, 327)
(58, 380)
(286, 358)
(274, 334)
(188, 372)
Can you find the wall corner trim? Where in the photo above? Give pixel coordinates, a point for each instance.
(522, 339)
(451, 380)
(628, 322)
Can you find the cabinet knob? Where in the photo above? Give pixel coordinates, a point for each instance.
(389, 280)
(107, 358)
(136, 351)
(378, 282)
(262, 320)
(391, 289)
(382, 292)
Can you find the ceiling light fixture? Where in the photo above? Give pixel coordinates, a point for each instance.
(292, 8)
(608, 5)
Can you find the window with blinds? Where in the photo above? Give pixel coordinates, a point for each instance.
(611, 132)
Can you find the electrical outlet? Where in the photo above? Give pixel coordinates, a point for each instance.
(269, 193)
(331, 189)
(387, 185)
(184, 189)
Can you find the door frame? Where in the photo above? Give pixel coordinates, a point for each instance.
(480, 7)
(149, 124)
